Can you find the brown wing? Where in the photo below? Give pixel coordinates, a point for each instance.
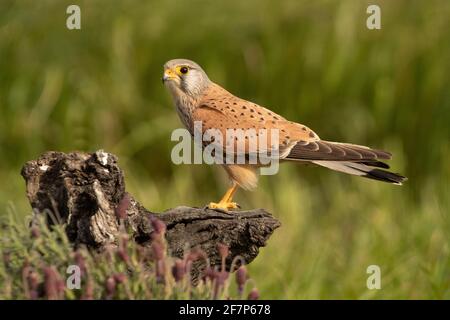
(216, 120)
(334, 151)
(219, 109)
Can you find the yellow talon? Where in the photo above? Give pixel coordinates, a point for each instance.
(225, 203)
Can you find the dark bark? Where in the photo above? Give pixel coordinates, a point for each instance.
(86, 191)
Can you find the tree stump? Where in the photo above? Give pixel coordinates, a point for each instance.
(85, 191)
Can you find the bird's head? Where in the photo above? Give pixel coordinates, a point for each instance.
(184, 77)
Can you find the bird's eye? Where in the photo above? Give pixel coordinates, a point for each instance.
(184, 70)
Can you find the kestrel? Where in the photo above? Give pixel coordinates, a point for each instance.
(197, 98)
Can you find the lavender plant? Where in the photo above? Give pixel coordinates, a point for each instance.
(40, 263)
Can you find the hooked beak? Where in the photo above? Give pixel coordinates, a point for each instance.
(169, 75)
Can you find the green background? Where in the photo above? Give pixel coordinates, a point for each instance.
(314, 62)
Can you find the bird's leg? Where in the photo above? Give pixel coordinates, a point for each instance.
(226, 202)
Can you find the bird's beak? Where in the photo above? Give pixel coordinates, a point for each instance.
(169, 74)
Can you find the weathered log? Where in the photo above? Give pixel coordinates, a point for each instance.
(84, 190)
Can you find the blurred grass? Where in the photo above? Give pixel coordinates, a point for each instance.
(313, 62)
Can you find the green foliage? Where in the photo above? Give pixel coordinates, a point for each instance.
(36, 265)
(312, 61)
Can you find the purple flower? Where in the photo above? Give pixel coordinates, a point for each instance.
(35, 232)
(51, 283)
(241, 278)
(123, 254)
(157, 250)
(253, 295)
(224, 250)
(89, 291)
(158, 226)
(110, 286)
(120, 277)
(160, 271)
(33, 283)
(124, 204)
(209, 274)
(80, 262)
(179, 270)
(196, 254)
(220, 279)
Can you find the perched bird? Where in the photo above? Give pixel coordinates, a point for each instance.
(197, 98)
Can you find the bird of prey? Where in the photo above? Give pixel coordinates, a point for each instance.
(197, 98)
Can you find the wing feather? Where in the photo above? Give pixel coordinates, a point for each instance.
(332, 151)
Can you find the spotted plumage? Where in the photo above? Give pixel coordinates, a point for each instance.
(197, 98)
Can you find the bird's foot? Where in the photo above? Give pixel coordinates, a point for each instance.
(223, 206)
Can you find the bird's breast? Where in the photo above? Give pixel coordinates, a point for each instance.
(185, 111)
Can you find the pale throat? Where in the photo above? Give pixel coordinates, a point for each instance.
(186, 98)
(185, 105)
